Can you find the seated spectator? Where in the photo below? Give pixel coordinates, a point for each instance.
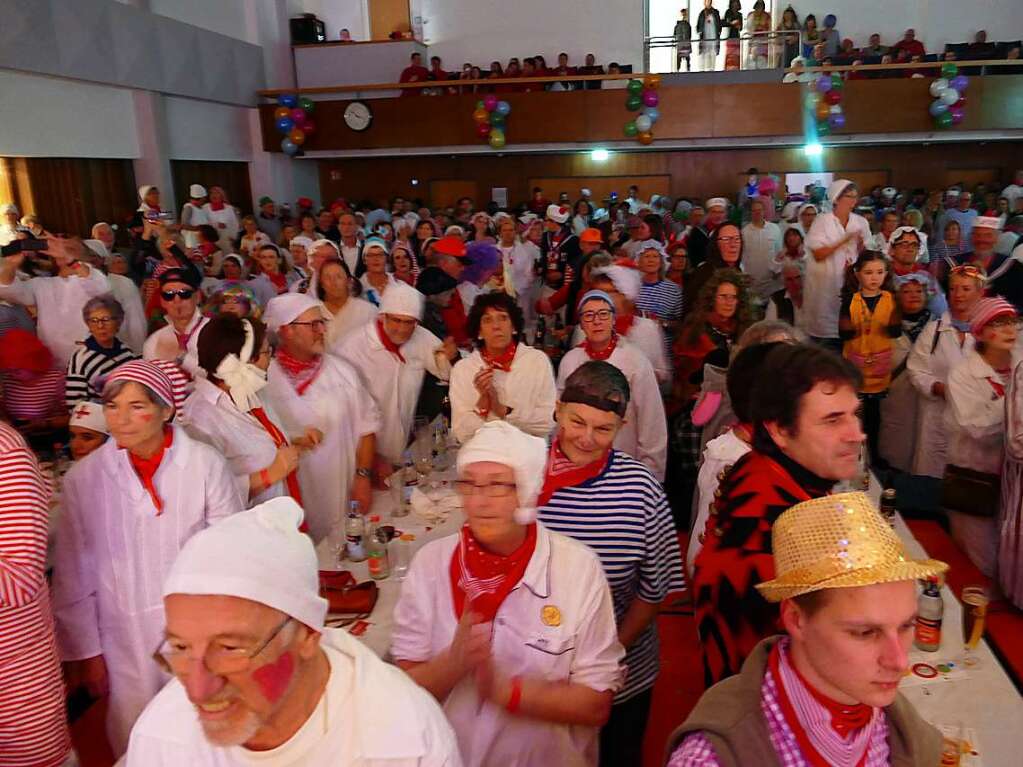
(345, 36)
(87, 428)
(908, 46)
(437, 70)
(415, 72)
(875, 48)
(254, 576)
(980, 48)
(503, 378)
(818, 664)
(101, 353)
(787, 303)
(560, 701)
(591, 67)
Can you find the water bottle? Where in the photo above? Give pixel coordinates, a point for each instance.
(376, 550)
(337, 537)
(930, 610)
(409, 479)
(355, 529)
(404, 555)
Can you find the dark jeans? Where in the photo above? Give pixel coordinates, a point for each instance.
(621, 739)
(872, 426)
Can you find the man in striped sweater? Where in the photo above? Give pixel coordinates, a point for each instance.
(612, 503)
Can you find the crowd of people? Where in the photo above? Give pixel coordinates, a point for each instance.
(226, 385)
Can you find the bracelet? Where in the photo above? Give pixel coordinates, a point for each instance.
(515, 700)
(264, 477)
(483, 412)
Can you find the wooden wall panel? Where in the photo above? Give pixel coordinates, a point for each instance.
(694, 111)
(696, 174)
(600, 186)
(232, 176)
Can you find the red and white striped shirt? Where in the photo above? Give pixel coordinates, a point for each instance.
(33, 728)
(42, 397)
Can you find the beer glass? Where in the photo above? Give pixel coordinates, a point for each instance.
(975, 600)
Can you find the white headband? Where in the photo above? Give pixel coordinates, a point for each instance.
(243, 379)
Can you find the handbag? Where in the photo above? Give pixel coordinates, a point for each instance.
(970, 492)
(344, 596)
(876, 365)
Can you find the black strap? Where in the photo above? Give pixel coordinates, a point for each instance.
(937, 329)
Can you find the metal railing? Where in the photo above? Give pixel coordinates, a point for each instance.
(757, 50)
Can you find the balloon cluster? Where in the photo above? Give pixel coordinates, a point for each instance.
(292, 119)
(491, 117)
(643, 95)
(949, 93)
(824, 102)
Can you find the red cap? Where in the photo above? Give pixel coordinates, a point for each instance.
(591, 235)
(304, 202)
(22, 350)
(450, 246)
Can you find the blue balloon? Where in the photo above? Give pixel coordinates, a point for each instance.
(836, 120)
(289, 147)
(285, 124)
(503, 108)
(824, 84)
(288, 100)
(937, 107)
(653, 113)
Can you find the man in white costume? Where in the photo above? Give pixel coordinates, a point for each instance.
(392, 355)
(258, 677)
(319, 398)
(644, 433)
(58, 300)
(176, 341)
(127, 509)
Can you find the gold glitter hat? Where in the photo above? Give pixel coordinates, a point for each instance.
(838, 541)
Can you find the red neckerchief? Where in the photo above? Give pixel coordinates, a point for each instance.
(146, 468)
(605, 353)
(280, 441)
(455, 320)
(392, 347)
(624, 324)
(503, 361)
(184, 338)
(562, 472)
(216, 205)
(998, 386)
(279, 281)
(843, 718)
(301, 374)
(485, 580)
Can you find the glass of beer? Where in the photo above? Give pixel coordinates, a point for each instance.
(975, 600)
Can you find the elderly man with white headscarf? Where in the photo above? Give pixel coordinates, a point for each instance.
(258, 678)
(322, 403)
(392, 354)
(526, 674)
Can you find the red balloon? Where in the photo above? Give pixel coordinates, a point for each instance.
(833, 97)
(961, 103)
(309, 127)
(483, 129)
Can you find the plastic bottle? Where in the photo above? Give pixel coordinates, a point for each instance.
(541, 331)
(888, 505)
(355, 528)
(404, 556)
(337, 537)
(376, 550)
(930, 610)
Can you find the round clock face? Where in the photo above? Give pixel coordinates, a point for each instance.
(358, 116)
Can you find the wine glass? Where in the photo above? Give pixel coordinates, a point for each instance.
(975, 600)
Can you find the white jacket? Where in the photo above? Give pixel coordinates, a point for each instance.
(975, 416)
(133, 329)
(718, 457)
(353, 315)
(581, 647)
(528, 390)
(929, 364)
(58, 302)
(822, 291)
(162, 344)
(375, 716)
(338, 405)
(646, 337)
(644, 434)
(113, 553)
(394, 385)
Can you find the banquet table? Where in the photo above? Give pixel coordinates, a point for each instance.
(984, 701)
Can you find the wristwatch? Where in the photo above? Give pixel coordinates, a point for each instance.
(367, 473)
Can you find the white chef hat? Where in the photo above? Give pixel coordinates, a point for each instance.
(258, 555)
(89, 415)
(144, 190)
(500, 442)
(305, 242)
(196, 191)
(558, 213)
(838, 187)
(987, 222)
(97, 247)
(402, 300)
(716, 202)
(901, 230)
(9, 207)
(627, 280)
(329, 243)
(287, 307)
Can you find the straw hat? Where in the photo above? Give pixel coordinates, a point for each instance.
(838, 541)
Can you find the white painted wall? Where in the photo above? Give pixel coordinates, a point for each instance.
(480, 31)
(336, 15)
(203, 130)
(226, 17)
(53, 117)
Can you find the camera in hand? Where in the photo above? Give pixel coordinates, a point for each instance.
(23, 246)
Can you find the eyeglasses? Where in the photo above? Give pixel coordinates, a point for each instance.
(221, 661)
(100, 321)
(600, 314)
(314, 324)
(726, 297)
(489, 490)
(730, 240)
(184, 294)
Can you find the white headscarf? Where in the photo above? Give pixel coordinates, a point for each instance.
(242, 378)
(627, 281)
(500, 442)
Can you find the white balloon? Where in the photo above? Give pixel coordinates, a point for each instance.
(938, 86)
(836, 109)
(643, 122)
(949, 96)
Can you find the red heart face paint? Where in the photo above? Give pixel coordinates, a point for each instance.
(273, 678)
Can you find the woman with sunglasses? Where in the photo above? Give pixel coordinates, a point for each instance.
(508, 624)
